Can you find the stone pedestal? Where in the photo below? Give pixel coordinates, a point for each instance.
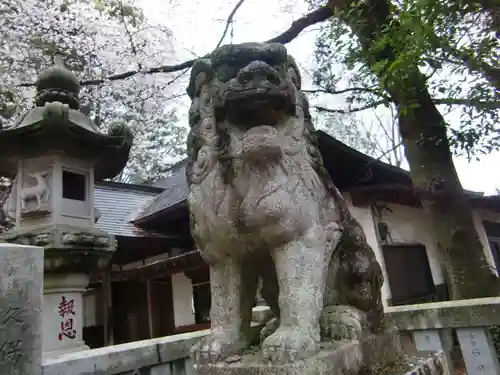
(335, 358)
(21, 270)
(63, 313)
(70, 256)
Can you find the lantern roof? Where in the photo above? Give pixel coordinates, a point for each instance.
(55, 125)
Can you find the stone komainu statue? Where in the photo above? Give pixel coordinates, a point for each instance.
(263, 206)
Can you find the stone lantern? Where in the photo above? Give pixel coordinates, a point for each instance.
(55, 152)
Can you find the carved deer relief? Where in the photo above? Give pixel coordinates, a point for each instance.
(40, 191)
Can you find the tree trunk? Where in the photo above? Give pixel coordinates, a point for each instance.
(433, 173)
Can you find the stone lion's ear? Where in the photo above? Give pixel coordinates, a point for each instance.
(293, 72)
(201, 73)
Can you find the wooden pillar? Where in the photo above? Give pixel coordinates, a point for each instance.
(150, 308)
(107, 308)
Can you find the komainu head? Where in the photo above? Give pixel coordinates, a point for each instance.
(246, 103)
(249, 83)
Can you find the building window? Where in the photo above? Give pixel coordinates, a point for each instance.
(409, 274)
(74, 186)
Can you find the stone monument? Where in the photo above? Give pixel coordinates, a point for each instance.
(55, 152)
(21, 284)
(262, 206)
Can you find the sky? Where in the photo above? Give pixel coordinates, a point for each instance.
(198, 25)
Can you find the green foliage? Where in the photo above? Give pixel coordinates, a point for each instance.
(451, 44)
(495, 335)
(121, 11)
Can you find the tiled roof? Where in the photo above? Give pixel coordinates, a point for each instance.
(117, 202)
(175, 190)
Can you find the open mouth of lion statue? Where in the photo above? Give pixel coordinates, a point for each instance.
(259, 113)
(257, 98)
(260, 104)
(260, 94)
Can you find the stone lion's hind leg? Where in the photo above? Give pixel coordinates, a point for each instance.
(299, 266)
(339, 320)
(226, 336)
(353, 305)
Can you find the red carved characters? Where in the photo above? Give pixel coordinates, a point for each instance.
(66, 310)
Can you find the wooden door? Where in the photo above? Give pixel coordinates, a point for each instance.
(409, 274)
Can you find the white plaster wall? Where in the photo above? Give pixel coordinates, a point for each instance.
(479, 217)
(182, 291)
(89, 309)
(364, 216)
(408, 225)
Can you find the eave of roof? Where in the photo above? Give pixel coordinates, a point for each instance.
(409, 196)
(341, 161)
(127, 186)
(329, 147)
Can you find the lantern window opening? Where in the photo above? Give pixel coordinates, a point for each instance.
(74, 186)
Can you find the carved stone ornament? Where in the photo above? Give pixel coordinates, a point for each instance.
(40, 239)
(83, 239)
(40, 192)
(263, 206)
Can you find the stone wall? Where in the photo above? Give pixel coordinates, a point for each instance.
(431, 325)
(21, 344)
(162, 356)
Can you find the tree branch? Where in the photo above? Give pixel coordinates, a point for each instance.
(479, 104)
(229, 22)
(351, 89)
(129, 34)
(346, 111)
(319, 15)
(489, 72)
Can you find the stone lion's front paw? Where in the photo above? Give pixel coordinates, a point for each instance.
(288, 345)
(215, 347)
(342, 323)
